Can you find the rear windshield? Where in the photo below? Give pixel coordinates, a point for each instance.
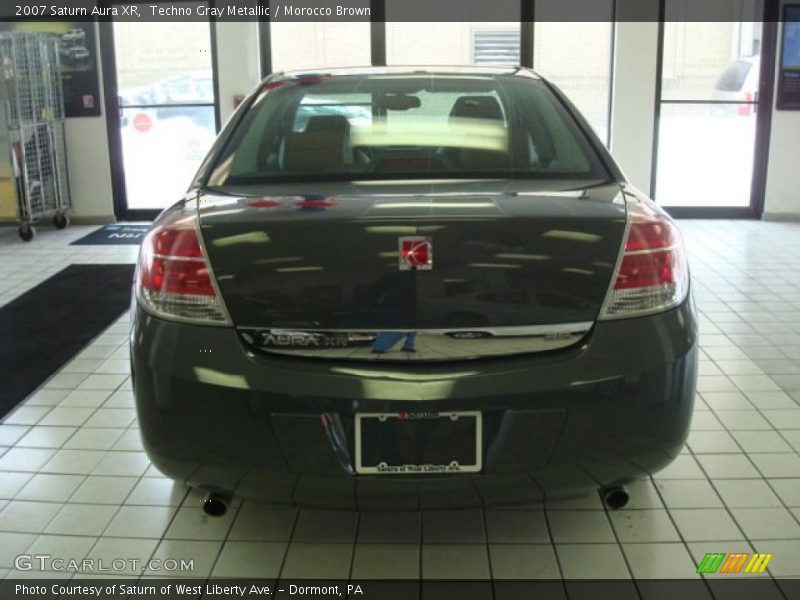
(732, 79)
(405, 126)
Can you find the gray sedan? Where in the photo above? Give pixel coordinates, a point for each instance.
(412, 287)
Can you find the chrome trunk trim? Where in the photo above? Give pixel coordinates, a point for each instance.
(427, 345)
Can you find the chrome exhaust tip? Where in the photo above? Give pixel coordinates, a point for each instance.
(215, 505)
(615, 497)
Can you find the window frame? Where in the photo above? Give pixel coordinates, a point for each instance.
(763, 105)
(113, 110)
(378, 44)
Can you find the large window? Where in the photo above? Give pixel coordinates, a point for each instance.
(709, 98)
(449, 43)
(319, 44)
(577, 58)
(468, 41)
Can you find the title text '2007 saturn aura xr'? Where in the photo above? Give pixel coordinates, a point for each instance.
(417, 287)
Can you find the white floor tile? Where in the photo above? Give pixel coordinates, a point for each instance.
(592, 561)
(569, 526)
(96, 489)
(141, 521)
(643, 526)
(697, 524)
(660, 561)
(77, 462)
(41, 436)
(82, 519)
(50, 488)
(24, 516)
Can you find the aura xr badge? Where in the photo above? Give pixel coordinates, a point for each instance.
(416, 253)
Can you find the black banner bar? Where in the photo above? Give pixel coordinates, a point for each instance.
(412, 589)
(388, 11)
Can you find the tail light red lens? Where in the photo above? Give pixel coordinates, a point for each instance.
(181, 242)
(653, 274)
(745, 110)
(174, 279)
(171, 276)
(645, 270)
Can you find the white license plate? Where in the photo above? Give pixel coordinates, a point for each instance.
(418, 443)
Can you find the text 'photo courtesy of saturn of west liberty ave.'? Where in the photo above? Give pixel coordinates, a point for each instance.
(164, 589)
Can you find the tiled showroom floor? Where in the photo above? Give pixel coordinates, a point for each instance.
(74, 481)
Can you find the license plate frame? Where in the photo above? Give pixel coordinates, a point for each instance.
(454, 467)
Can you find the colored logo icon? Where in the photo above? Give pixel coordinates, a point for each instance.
(734, 562)
(416, 253)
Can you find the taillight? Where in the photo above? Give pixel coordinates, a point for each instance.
(745, 109)
(174, 279)
(653, 274)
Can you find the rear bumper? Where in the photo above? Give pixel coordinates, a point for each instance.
(613, 408)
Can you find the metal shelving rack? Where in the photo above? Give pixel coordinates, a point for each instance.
(33, 100)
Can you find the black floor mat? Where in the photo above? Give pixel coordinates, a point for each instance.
(118, 234)
(45, 327)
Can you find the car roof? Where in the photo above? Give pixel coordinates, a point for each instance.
(409, 70)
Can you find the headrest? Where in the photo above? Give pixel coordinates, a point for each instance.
(477, 107)
(314, 150)
(328, 123)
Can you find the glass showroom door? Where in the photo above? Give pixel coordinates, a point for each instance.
(166, 104)
(706, 134)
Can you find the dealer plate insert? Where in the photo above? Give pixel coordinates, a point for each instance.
(448, 442)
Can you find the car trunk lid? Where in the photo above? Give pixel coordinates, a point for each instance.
(496, 262)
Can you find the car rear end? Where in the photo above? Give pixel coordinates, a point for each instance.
(738, 83)
(393, 340)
